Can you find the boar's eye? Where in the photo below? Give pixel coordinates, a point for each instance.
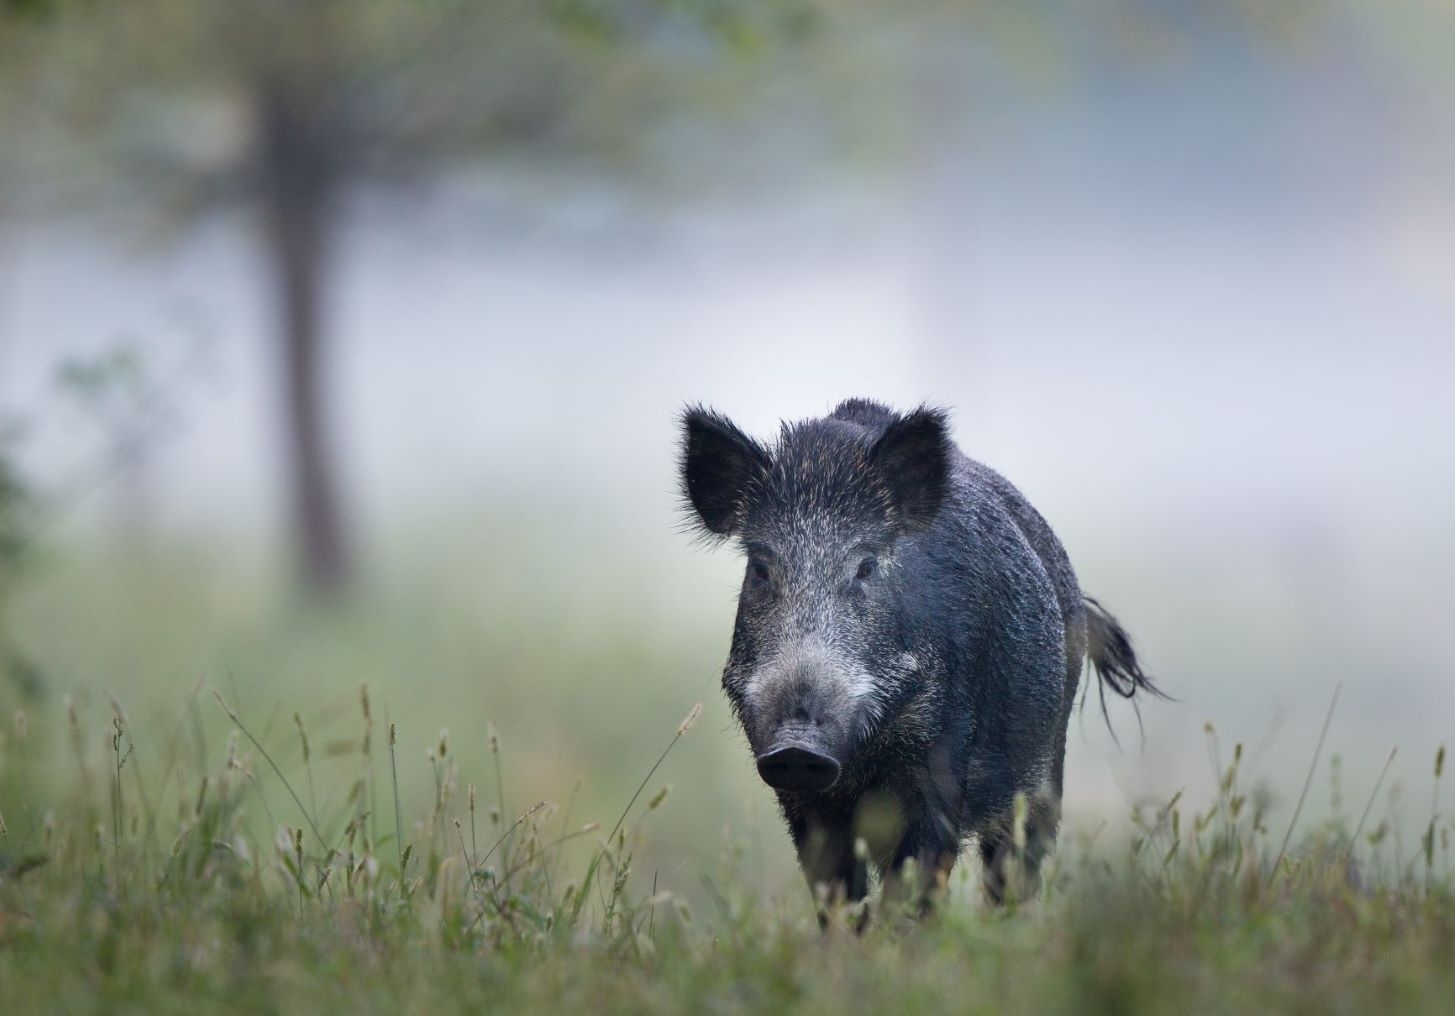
(867, 568)
(759, 570)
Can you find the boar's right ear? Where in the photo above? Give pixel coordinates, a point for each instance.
(719, 464)
(912, 460)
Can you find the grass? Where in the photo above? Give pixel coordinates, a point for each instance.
(148, 880)
(241, 849)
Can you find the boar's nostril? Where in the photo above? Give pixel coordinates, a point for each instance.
(798, 767)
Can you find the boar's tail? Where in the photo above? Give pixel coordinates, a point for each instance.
(1109, 649)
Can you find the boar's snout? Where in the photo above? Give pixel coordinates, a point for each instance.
(798, 764)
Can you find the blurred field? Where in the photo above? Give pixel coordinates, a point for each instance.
(584, 671)
(341, 348)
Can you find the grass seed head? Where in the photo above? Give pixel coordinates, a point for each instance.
(302, 735)
(367, 743)
(1020, 811)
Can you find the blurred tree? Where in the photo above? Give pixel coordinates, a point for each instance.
(287, 106)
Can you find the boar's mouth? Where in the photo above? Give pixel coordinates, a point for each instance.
(798, 764)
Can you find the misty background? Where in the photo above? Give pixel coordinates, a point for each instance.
(1182, 273)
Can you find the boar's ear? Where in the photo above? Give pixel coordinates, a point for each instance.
(719, 464)
(912, 460)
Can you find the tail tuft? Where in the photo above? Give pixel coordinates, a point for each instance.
(1109, 649)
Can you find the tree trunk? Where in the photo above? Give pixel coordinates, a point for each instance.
(296, 194)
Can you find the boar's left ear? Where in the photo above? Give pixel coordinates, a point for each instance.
(719, 465)
(912, 460)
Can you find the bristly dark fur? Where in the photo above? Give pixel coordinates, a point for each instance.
(864, 412)
(907, 618)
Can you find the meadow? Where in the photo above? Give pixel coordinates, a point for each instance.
(277, 826)
(400, 303)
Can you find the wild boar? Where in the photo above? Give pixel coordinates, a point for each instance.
(908, 645)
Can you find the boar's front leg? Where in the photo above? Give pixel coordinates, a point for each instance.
(1011, 869)
(933, 849)
(825, 847)
(933, 805)
(919, 887)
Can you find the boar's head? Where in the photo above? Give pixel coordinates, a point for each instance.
(822, 653)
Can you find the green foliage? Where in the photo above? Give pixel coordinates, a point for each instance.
(19, 677)
(26, 8)
(133, 411)
(228, 886)
(171, 99)
(14, 502)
